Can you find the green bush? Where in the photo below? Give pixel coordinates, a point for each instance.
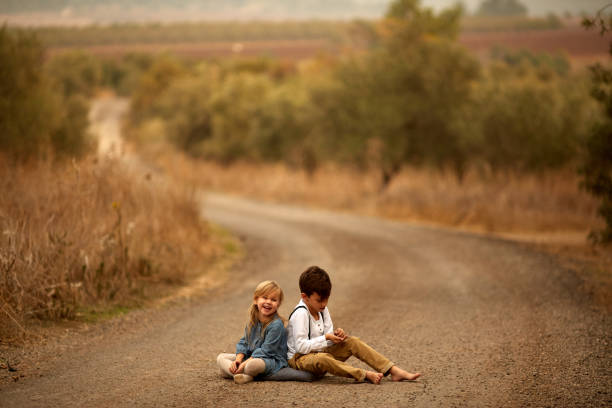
(530, 125)
(36, 116)
(75, 72)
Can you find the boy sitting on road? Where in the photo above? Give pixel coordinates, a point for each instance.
(314, 345)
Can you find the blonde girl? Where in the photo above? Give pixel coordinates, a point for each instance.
(262, 351)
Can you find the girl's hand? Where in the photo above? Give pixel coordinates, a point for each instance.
(234, 366)
(240, 368)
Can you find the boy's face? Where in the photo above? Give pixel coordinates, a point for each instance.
(314, 302)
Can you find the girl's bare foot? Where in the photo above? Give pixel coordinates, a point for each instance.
(397, 374)
(373, 377)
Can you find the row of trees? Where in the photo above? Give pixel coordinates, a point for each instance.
(415, 98)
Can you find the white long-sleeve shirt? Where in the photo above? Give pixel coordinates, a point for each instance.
(297, 331)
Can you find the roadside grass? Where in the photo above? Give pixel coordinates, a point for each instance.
(89, 240)
(547, 204)
(92, 315)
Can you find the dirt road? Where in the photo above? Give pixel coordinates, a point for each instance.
(487, 322)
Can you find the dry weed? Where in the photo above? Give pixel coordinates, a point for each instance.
(517, 203)
(88, 234)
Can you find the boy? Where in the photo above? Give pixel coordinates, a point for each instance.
(314, 345)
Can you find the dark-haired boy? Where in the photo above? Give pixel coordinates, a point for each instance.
(314, 345)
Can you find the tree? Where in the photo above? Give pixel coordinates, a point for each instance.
(398, 104)
(596, 168)
(502, 8)
(36, 116)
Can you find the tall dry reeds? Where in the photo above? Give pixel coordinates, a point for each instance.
(90, 235)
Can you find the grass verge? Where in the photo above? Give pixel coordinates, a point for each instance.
(88, 240)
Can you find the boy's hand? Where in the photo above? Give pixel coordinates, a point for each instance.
(340, 333)
(335, 339)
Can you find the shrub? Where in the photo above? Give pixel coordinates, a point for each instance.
(36, 118)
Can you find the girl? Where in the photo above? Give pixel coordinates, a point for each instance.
(263, 348)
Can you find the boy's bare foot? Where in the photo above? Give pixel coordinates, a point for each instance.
(373, 377)
(397, 374)
(242, 378)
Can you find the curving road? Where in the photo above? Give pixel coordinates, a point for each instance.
(487, 322)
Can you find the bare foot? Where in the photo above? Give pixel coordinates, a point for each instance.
(397, 374)
(373, 377)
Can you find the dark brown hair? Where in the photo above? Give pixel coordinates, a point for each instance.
(315, 279)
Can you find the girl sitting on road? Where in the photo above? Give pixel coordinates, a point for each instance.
(262, 351)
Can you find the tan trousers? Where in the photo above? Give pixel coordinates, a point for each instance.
(253, 367)
(332, 360)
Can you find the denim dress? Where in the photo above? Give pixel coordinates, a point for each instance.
(271, 347)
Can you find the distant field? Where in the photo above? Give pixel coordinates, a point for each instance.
(286, 49)
(578, 44)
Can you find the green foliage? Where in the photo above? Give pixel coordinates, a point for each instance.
(36, 118)
(596, 167)
(399, 104)
(532, 125)
(70, 138)
(414, 98)
(122, 75)
(406, 21)
(236, 113)
(501, 8)
(399, 108)
(152, 83)
(597, 176)
(243, 109)
(75, 72)
(186, 107)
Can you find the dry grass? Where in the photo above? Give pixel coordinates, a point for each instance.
(547, 203)
(87, 236)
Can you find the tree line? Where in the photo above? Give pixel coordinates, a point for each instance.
(414, 97)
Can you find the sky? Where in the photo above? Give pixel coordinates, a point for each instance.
(109, 11)
(535, 7)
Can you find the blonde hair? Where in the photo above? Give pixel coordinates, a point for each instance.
(262, 289)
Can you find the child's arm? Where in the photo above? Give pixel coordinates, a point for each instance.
(300, 322)
(332, 336)
(242, 350)
(242, 347)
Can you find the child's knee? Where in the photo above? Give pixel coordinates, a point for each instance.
(352, 340)
(255, 367)
(322, 361)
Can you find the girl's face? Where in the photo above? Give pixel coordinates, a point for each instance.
(267, 305)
